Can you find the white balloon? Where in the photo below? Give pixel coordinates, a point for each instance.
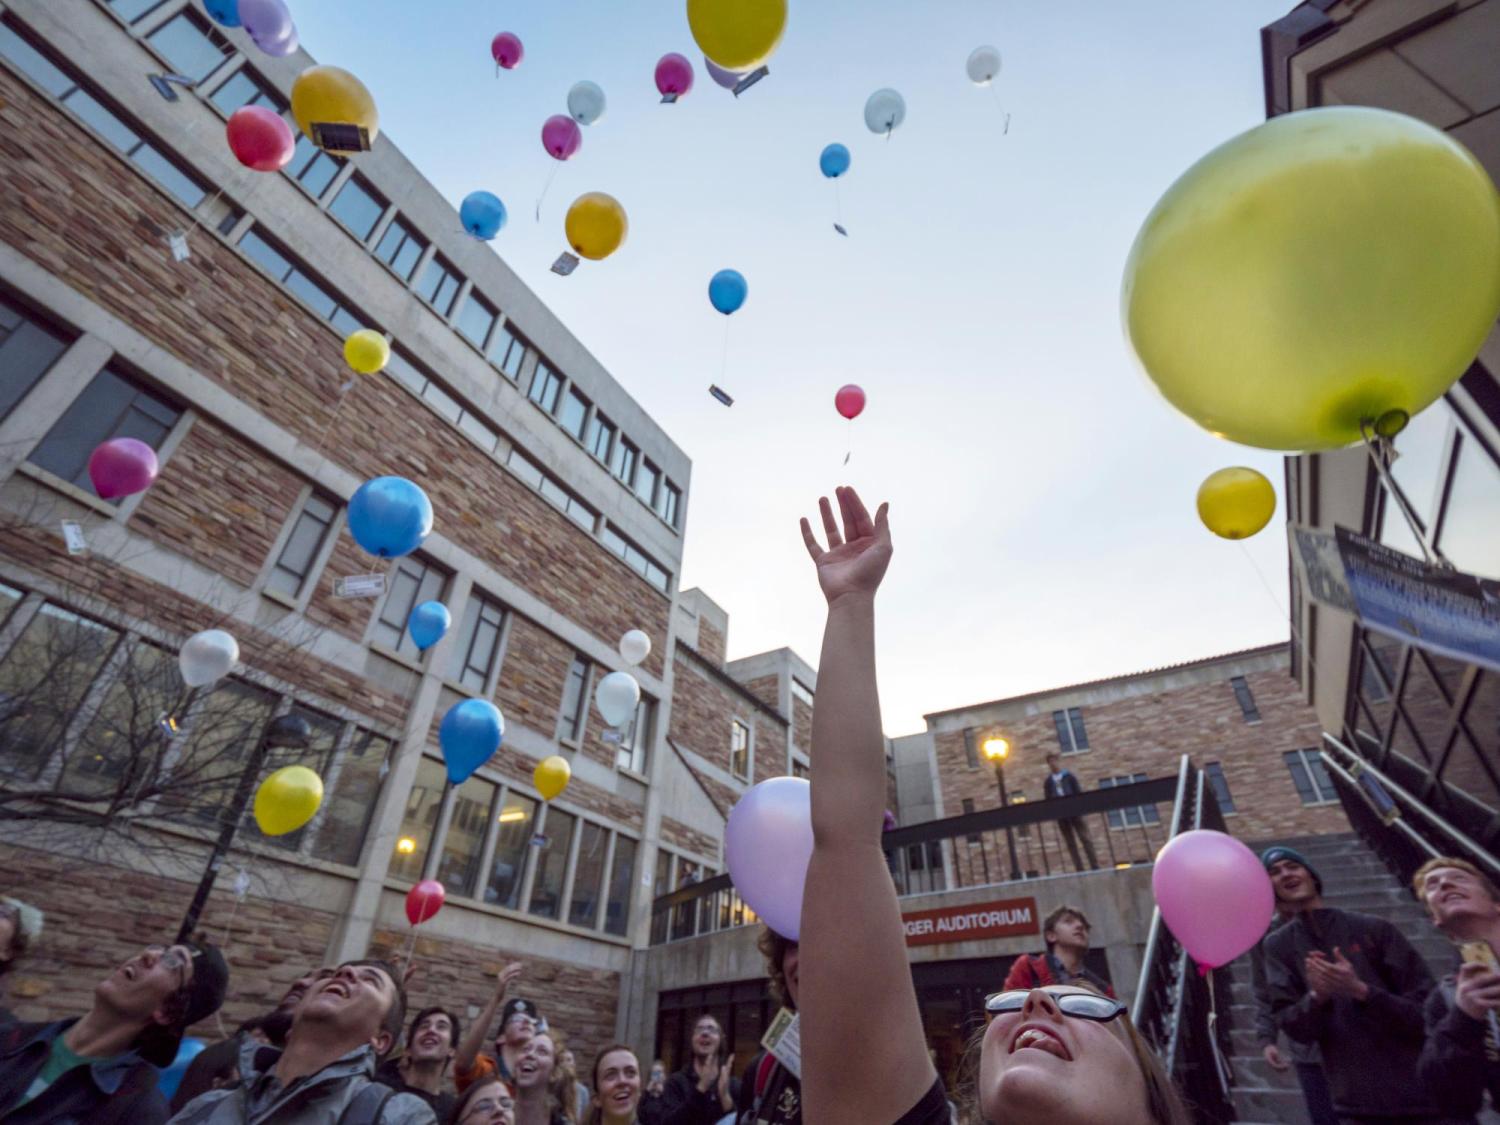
(983, 65)
(616, 697)
(207, 656)
(635, 646)
(885, 110)
(586, 103)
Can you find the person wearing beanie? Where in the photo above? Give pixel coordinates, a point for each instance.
(518, 1023)
(1354, 986)
(103, 1067)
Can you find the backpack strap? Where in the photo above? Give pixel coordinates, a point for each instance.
(367, 1105)
(763, 1074)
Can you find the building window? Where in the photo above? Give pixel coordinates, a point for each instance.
(400, 248)
(626, 457)
(110, 406)
(458, 866)
(1246, 700)
(123, 732)
(348, 811)
(645, 482)
(189, 47)
(621, 881)
(478, 642)
(476, 319)
(574, 413)
(512, 847)
(1070, 733)
(409, 585)
(739, 750)
(358, 207)
(800, 769)
(599, 436)
(294, 276)
(439, 286)
(27, 349)
(317, 755)
(552, 862)
(309, 533)
(635, 744)
(423, 804)
(313, 168)
(575, 701)
(971, 756)
(668, 502)
(588, 875)
(1136, 814)
(801, 691)
(572, 507)
(1309, 775)
(506, 351)
(546, 385)
(131, 11)
(636, 559)
(241, 89)
(1216, 778)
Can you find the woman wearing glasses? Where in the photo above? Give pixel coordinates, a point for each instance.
(1055, 1056)
(487, 1102)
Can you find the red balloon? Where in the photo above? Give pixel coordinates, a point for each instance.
(260, 138)
(506, 50)
(561, 136)
(424, 900)
(674, 75)
(122, 467)
(850, 400)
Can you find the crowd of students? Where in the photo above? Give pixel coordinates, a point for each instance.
(1374, 1037)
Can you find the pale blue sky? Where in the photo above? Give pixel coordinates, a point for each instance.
(1041, 492)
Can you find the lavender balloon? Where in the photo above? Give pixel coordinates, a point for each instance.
(767, 844)
(729, 79)
(269, 24)
(1214, 895)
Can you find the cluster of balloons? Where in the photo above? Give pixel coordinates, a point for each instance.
(389, 516)
(122, 467)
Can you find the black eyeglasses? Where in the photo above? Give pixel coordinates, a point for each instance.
(1080, 1005)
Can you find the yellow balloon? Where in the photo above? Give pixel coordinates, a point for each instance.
(367, 351)
(287, 800)
(335, 110)
(1327, 268)
(551, 776)
(737, 34)
(596, 225)
(1236, 503)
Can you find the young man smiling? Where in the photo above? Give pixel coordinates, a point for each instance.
(422, 1067)
(1066, 932)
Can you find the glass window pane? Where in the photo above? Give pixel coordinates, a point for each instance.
(446, 405)
(420, 820)
(357, 207)
(177, 182)
(348, 810)
(110, 406)
(545, 385)
(263, 254)
(222, 732)
(574, 703)
(27, 349)
(405, 372)
(32, 63)
(1419, 461)
(458, 869)
(189, 47)
(512, 846)
(552, 863)
(477, 641)
(123, 742)
(43, 679)
(645, 482)
(302, 546)
(310, 291)
(324, 731)
(315, 169)
(621, 883)
(103, 121)
(487, 438)
(132, 10)
(241, 90)
(476, 320)
(400, 248)
(575, 409)
(599, 436)
(588, 875)
(506, 351)
(1080, 736)
(1470, 537)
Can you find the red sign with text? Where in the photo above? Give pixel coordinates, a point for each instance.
(1011, 917)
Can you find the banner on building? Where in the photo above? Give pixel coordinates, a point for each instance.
(975, 921)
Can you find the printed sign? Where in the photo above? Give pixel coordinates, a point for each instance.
(177, 240)
(783, 1039)
(1010, 917)
(73, 537)
(359, 586)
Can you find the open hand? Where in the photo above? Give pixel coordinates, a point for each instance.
(708, 1073)
(855, 561)
(1478, 990)
(508, 977)
(1334, 978)
(724, 1072)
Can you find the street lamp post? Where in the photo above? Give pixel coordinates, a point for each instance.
(997, 750)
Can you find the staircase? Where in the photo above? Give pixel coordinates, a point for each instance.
(1353, 879)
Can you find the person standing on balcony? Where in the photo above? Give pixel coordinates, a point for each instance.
(1063, 782)
(1353, 985)
(1461, 1058)
(1066, 932)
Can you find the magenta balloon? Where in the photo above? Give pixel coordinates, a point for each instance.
(561, 136)
(506, 50)
(767, 844)
(1214, 894)
(268, 23)
(674, 75)
(726, 78)
(122, 467)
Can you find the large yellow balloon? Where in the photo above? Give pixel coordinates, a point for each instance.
(287, 800)
(737, 34)
(367, 351)
(335, 110)
(1327, 268)
(1236, 503)
(596, 225)
(551, 776)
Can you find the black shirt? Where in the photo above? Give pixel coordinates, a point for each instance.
(780, 1102)
(389, 1074)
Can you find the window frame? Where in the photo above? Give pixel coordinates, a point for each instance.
(739, 746)
(479, 604)
(409, 236)
(373, 637)
(1072, 721)
(1301, 759)
(358, 183)
(1245, 698)
(307, 582)
(571, 729)
(1214, 771)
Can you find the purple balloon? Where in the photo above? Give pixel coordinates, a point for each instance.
(268, 23)
(729, 79)
(767, 844)
(674, 75)
(561, 136)
(1214, 895)
(122, 467)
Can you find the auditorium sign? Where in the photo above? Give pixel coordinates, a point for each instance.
(1011, 917)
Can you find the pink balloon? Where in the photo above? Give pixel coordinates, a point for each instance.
(424, 900)
(767, 844)
(674, 75)
(506, 50)
(561, 136)
(729, 79)
(260, 138)
(850, 400)
(1214, 894)
(122, 467)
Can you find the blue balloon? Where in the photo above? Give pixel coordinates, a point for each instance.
(389, 516)
(470, 733)
(482, 214)
(834, 161)
(225, 13)
(728, 290)
(429, 624)
(171, 1076)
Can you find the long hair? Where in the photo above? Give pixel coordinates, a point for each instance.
(773, 948)
(595, 1114)
(562, 1087)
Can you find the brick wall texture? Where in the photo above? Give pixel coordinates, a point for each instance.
(678, 835)
(711, 642)
(802, 726)
(703, 707)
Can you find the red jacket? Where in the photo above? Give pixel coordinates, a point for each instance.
(1037, 971)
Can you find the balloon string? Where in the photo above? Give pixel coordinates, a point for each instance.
(838, 204)
(724, 363)
(546, 188)
(1000, 108)
(850, 440)
(1276, 601)
(328, 425)
(1375, 447)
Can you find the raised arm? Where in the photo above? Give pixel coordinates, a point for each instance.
(853, 969)
(468, 1050)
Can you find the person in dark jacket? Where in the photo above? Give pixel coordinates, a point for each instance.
(422, 1068)
(704, 1090)
(1352, 984)
(103, 1067)
(1461, 1058)
(1063, 782)
(1066, 932)
(769, 1093)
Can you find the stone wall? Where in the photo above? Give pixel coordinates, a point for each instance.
(703, 707)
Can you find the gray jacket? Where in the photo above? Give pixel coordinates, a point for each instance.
(318, 1099)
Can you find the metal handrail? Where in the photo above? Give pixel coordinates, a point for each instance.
(1413, 836)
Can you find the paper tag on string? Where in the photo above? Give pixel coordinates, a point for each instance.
(73, 536)
(565, 264)
(749, 80)
(177, 240)
(612, 736)
(784, 1040)
(241, 884)
(841, 230)
(359, 586)
(669, 99)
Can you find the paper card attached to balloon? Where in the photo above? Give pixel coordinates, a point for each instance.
(177, 240)
(359, 586)
(340, 136)
(566, 263)
(722, 396)
(749, 80)
(73, 536)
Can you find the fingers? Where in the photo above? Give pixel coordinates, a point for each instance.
(882, 523)
(830, 526)
(857, 522)
(810, 540)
